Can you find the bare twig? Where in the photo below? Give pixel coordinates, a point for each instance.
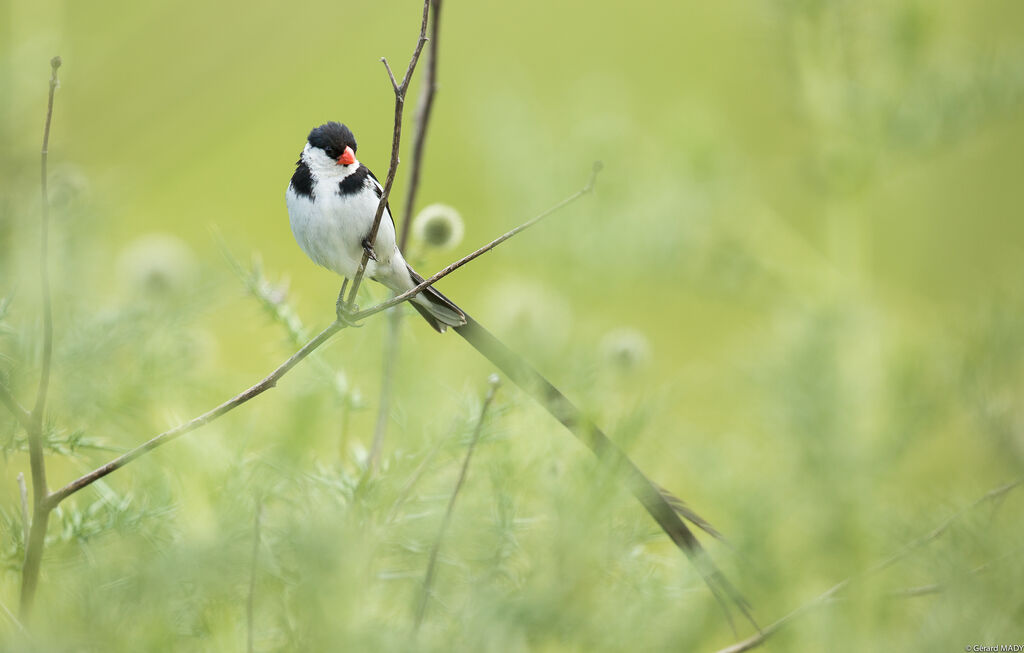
(23, 491)
(756, 640)
(391, 75)
(271, 379)
(992, 495)
(23, 416)
(252, 573)
(412, 292)
(432, 564)
(44, 270)
(392, 339)
(37, 462)
(424, 109)
(396, 139)
(830, 594)
(265, 384)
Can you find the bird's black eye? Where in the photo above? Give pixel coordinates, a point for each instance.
(331, 152)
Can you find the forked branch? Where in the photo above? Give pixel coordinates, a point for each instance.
(396, 139)
(271, 379)
(421, 122)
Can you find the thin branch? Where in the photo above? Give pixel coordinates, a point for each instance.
(252, 573)
(44, 271)
(265, 384)
(271, 380)
(396, 139)
(827, 596)
(23, 416)
(33, 558)
(37, 462)
(391, 75)
(412, 292)
(992, 495)
(756, 640)
(35, 434)
(424, 109)
(392, 339)
(432, 565)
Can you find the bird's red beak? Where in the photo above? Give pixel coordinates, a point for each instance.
(347, 158)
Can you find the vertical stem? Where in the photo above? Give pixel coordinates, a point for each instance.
(393, 338)
(44, 270)
(41, 506)
(33, 559)
(396, 139)
(424, 108)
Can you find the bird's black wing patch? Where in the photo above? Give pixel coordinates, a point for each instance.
(354, 182)
(302, 180)
(379, 190)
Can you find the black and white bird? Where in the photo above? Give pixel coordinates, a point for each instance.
(332, 201)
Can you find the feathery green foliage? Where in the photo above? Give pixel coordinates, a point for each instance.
(795, 301)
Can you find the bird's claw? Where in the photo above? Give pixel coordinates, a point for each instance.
(345, 316)
(368, 248)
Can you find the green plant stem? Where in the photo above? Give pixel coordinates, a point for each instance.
(428, 579)
(37, 463)
(392, 340)
(396, 139)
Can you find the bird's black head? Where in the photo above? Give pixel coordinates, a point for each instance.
(332, 138)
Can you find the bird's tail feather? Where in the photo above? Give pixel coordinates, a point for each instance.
(651, 495)
(439, 311)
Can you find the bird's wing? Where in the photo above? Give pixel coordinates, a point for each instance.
(380, 193)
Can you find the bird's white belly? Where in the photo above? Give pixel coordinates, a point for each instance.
(331, 230)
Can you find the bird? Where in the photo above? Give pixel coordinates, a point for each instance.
(332, 201)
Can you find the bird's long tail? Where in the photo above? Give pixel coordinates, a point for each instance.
(439, 311)
(661, 505)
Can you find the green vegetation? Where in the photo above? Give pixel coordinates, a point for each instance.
(794, 299)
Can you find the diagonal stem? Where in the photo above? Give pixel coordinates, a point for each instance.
(428, 579)
(412, 292)
(829, 594)
(271, 380)
(265, 384)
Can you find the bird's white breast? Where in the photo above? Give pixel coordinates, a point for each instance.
(330, 228)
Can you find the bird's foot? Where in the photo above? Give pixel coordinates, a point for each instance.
(342, 312)
(345, 315)
(368, 248)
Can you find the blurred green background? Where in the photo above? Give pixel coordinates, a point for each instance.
(794, 299)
